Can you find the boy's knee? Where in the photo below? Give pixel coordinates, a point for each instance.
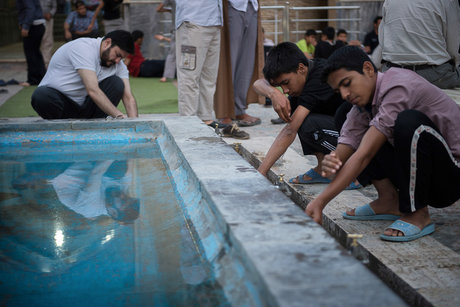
(40, 98)
(408, 121)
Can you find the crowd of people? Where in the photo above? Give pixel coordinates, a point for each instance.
(393, 128)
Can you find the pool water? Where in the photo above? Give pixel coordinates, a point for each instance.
(85, 225)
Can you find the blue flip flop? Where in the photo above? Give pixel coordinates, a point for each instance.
(411, 232)
(366, 213)
(354, 186)
(315, 178)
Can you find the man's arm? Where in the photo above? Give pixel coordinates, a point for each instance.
(279, 100)
(128, 100)
(372, 141)
(91, 83)
(96, 13)
(283, 140)
(67, 34)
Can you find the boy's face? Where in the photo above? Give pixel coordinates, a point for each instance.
(342, 37)
(356, 88)
(111, 55)
(292, 83)
(311, 39)
(81, 9)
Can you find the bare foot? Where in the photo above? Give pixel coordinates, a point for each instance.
(25, 84)
(163, 79)
(226, 120)
(419, 218)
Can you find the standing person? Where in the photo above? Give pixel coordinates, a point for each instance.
(371, 40)
(245, 43)
(401, 135)
(46, 47)
(87, 78)
(32, 25)
(170, 64)
(198, 24)
(111, 18)
(423, 36)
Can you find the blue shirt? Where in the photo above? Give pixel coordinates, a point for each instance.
(204, 13)
(80, 23)
(28, 12)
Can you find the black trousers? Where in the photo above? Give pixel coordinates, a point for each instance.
(152, 68)
(49, 103)
(35, 64)
(420, 164)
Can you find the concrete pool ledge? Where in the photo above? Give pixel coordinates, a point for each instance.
(297, 260)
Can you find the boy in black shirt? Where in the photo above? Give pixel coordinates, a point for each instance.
(309, 109)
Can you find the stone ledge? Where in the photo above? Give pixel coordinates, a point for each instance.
(423, 272)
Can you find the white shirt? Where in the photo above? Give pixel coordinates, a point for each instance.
(82, 53)
(242, 5)
(417, 32)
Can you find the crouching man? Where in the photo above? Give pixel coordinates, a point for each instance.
(87, 78)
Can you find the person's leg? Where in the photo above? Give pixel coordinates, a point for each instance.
(430, 174)
(113, 88)
(47, 42)
(443, 76)
(243, 38)
(318, 137)
(52, 104)
(35, 65)
(210, 46)
(190, 58)
(170, 64)
(152, 68)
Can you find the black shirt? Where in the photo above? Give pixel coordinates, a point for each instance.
(372, 40)
(112, 9)
(316, 96)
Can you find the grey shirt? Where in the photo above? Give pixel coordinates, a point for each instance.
(417, 32)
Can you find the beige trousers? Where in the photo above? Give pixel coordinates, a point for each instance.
(197, 56)
(47, 43)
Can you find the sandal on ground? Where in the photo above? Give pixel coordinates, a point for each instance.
(315, 178)
(277, 121)
(234, 132)
(366, 213)
(215, 124)
(248, 123)
(411, 232)
(354, 186)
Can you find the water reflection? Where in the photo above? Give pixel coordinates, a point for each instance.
(65, 213)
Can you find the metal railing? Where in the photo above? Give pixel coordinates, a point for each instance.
(281, 22)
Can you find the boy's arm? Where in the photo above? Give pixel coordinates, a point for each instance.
(372, 141)
(96, 12)
(283, 140)
(279, 100)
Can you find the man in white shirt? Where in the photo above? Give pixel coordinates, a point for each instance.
(423, 36)
(86, 79)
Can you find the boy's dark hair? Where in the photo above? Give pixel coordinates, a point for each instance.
(349, 58)
(136, 34)
(122, 39)
(376, 19)
(79, 3)
(340, 31)
(329, 32)
(282, 59)
(310, 32)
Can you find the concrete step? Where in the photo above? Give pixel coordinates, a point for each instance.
(423, 272)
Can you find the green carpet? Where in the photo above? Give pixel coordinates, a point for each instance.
(152, 96)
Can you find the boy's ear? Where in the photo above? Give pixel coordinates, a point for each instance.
(302, 68)
(368, 69)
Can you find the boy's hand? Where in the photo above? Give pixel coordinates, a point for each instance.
(281, 105)
(315, 210)
(330, 165)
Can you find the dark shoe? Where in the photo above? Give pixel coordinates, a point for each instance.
(235, 132)
(215, 124)
(277, 121)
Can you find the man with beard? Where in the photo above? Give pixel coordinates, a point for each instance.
(86, 78)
